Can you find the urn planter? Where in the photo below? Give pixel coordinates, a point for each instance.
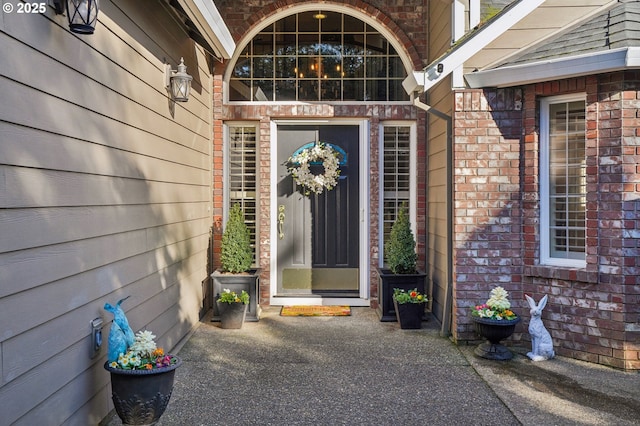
(248, 282)
(140, 397)
(387, 281)
(494, 331)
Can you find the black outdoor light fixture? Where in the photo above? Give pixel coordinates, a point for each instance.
(82, 14)
(179, 82)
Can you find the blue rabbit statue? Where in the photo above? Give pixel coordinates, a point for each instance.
(121, 335)
(117, 342)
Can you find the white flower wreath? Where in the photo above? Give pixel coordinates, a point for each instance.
(299, 167)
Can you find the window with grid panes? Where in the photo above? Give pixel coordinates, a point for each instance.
(303, 57)
(563, 181)
(242, 176)
(396, 174)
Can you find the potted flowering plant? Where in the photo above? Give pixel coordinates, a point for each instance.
(143, 355)
(409, 307)
(233, 308)
(142, 374)
(497, 307)
(494, 320)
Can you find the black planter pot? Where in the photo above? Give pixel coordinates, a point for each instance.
(248, 282)
(494, 331)
(409, 315)
(232, 315)
(387, 281)
(141, 396)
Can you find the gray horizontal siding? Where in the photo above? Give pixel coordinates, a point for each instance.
(105, 192)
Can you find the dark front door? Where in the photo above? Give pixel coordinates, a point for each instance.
(318, 234)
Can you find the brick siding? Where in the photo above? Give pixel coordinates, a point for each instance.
(487, 212)
(406, 20)
(593, 313)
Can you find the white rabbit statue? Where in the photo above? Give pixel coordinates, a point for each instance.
(541, 343)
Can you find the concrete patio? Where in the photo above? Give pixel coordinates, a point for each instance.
(357, 370)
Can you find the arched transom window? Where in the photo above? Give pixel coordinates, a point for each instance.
(318, 56)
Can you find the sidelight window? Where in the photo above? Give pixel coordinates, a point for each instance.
(397, 174)
(242, 175)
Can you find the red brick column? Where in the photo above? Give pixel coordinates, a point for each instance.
(217, 170)
(487, 215)
(628, 356)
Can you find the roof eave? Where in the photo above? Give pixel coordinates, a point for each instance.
(556, 69)
(207, 20)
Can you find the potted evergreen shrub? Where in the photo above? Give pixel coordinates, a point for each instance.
(235, 273)
(401, 270)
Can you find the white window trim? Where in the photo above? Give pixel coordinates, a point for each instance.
(545, 257)
(412, 180)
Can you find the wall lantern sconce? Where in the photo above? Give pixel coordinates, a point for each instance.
(82, 14)
(179, 81)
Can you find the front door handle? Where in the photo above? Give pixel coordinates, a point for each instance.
(281, 221)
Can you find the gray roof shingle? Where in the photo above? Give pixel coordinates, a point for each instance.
(617, 28)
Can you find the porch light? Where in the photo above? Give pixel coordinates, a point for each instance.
(82, 15)
(179, 82)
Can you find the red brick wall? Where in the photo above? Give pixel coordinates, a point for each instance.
(407, 21)
(593, 314)
(487, 213)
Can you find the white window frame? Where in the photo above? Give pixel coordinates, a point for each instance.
(545, 255)
(412, 180)
(226, 170)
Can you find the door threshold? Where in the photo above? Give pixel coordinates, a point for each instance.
(317, 299)
(327, 294)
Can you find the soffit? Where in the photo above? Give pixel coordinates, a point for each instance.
(605, 43)
(544, 22)
(205, 26)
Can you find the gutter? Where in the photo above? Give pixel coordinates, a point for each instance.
(557, 68)
(445, 329)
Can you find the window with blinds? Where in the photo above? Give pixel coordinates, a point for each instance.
(563, 179)
(242, 176)
(396, 174)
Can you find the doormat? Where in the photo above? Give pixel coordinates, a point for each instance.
(315, 311)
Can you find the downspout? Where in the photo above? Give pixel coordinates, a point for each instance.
(445, 329)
